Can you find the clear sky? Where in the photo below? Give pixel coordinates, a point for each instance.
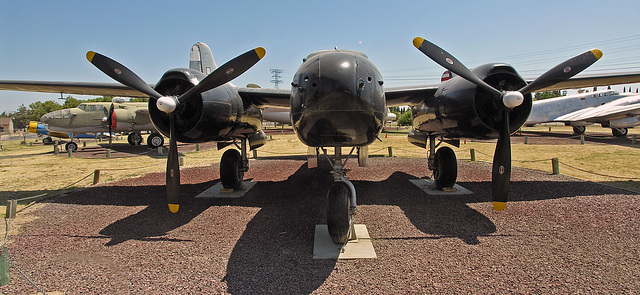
(48, 40)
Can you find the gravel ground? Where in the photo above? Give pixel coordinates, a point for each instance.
(558, 235)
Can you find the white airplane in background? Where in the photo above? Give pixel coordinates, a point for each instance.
(608, 108)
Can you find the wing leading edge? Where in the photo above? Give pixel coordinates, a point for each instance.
(80, 88)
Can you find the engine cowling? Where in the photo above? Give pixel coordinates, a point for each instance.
(460, 109)
(217, 115)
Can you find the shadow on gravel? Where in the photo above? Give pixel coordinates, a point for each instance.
(274, 252)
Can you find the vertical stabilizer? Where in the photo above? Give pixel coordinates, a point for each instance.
(202, 59)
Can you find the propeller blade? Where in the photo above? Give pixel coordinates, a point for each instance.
(448, 61)
(120, 73)
(110, 119)
(501, 171)
(563, 71)
(173, 168)
(226, 72)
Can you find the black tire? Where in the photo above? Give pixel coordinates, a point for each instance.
(579, 130)
(231, 174)
(47, 140)
(71, 146)
(134, 138)
(446, 168)
(619, 132)
(155, 140)
(338, 218)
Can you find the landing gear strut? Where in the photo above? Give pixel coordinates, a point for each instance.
(341, 200)
(443, 163)
(233, 165)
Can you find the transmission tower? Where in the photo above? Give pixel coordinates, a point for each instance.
(276, 78)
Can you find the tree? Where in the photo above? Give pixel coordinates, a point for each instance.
(38, 108)
(138, 99)
(405, 119)
(547, 94)
(21, 117)
(71, 102)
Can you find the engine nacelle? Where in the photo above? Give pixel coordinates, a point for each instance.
(459, 108)
(216, 115)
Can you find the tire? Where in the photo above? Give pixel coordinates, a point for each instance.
(231, 174)
(47, 140)
(134, 138)
(446, 168)
(619, 132)
(155, 140)
(338, 218)
(71, 146)
(579, 130)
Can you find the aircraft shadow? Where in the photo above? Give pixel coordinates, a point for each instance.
(277, 244)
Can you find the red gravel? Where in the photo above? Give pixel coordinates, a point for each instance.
(558, 235)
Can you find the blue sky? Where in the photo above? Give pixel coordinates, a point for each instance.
(48, 40)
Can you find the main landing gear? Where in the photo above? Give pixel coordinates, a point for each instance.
(341, 199)
(443, 163)
(233, 165)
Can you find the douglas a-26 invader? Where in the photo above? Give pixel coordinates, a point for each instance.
(337, 100)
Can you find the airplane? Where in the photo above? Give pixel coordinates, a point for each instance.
(99, 117)
(608, 108)
(337, 100)
(43, 130)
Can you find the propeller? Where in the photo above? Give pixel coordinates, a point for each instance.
(111, 122)
(169, 104)
(501, 170)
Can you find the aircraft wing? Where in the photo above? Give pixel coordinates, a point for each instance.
(581, 81)
(263, 97)
(410, 95)
(81, 88)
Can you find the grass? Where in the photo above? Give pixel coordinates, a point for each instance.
(30, 170)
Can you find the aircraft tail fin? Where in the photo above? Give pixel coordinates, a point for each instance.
(202, 59)
(446, 76)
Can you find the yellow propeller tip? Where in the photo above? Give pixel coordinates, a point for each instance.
(174, 208)
(597, 53)
(261, 52)
(499, 205)
(417, 42)
(90, 55)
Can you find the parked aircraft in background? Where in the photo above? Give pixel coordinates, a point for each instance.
(608, 108)
(42, 130)
(97, 117)
(337, 100)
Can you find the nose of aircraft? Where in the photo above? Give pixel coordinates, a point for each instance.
(46, 117)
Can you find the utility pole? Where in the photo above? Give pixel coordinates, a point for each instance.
(276, 78)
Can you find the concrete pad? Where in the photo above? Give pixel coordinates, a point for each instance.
(325, 248)
(216, 191)
(425, 185)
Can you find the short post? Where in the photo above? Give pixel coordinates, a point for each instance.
(181, 161)
(582, 139)
(69, 153)
(30, 143)
(96, 176)
(84, 144)
(390, 152)
(255, 154)
(56, 149)
(281, 132)
(473, 155)
(108, 153)
(634, 139)
(555, 163)
(549, 129)
(160, 151)
(526, 140)
(197, 147)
